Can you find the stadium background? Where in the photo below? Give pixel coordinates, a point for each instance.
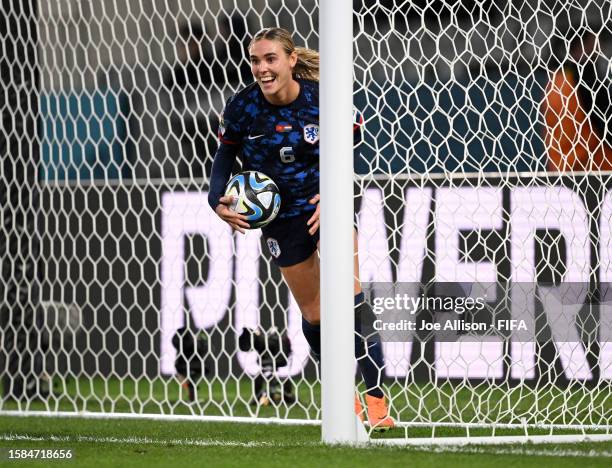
(109, 145)
(111, 154)
(126, 113)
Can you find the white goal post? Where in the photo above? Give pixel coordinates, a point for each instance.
(123, 295)
(339, 423)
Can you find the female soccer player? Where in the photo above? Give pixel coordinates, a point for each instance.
(274, 123)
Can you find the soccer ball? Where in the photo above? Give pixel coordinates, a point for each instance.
(256, 196)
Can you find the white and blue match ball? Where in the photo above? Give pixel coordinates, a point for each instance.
(256, 196)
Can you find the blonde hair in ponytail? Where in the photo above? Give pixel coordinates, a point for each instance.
(307, 66)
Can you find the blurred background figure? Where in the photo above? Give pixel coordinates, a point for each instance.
(188, 83)
(206, 65)
(577, 111)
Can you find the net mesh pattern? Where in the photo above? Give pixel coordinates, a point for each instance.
(484, 158)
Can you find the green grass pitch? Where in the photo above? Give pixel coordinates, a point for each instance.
(158, 443)
(139, 442)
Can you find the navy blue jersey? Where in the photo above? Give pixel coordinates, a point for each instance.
(280, 141)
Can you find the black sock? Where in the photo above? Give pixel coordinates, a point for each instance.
(368, 353)
(312, 333)
(370, 359)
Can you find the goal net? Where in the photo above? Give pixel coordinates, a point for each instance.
(483, 213)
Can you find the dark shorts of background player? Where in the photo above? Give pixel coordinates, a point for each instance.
(288, 240)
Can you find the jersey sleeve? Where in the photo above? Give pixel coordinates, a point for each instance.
(230, 137)
(221, 172)
(230, 131)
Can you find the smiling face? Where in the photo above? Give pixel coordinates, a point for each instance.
(272, 68)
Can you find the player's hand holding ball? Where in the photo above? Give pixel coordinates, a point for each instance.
(236, 220)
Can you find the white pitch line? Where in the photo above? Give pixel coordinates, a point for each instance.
(132, 440)
(160, 417)
(229, 443)
(520, 451)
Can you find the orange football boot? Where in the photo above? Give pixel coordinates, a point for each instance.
(378, 414)
(359, 408)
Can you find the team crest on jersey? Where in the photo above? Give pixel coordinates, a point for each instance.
(311, 133)
(274, 247)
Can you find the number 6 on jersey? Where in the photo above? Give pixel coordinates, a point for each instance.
(286, 154)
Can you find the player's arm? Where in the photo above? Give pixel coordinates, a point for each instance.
(219, 175)
(229, 145)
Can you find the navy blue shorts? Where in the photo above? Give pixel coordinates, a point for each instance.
(288, 240)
